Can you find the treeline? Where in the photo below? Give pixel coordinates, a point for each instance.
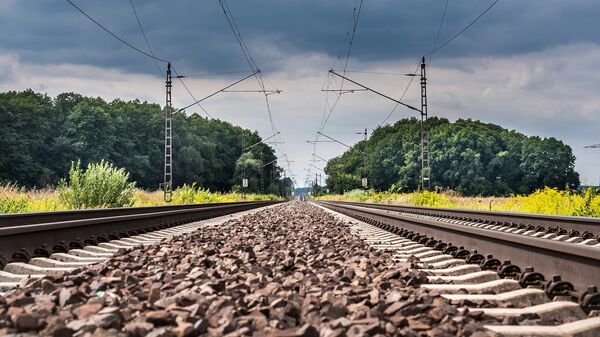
(41, 136)
(467, 156)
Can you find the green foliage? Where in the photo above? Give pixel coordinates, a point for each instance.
(189, 194)
(590, 205)
(470, 157)
(430, 199)
(15, 204)
(357, 194)
(543, 201)
(41, 136)
(185, 194)
(100, 185)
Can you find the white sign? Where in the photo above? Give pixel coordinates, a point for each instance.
(365, 182)
(244, 182)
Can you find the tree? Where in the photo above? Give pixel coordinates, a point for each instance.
(40, 137)
(471, 157)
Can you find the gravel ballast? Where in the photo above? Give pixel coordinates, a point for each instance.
(289, 270)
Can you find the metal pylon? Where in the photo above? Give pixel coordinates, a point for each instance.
(168, 177)
(425, 169)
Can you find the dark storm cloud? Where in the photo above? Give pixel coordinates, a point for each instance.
(195, 36)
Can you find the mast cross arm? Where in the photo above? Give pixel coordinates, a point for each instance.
(375, 91)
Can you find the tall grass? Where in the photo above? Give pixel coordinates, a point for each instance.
(102, 185)
(47, 200)
(544, 201)
(99, 185)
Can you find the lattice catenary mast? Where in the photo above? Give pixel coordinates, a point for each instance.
(425, 168)
(168, 176)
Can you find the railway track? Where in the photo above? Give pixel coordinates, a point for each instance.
(293, 270)
(511, 266)
(33, 245)
(564, 227)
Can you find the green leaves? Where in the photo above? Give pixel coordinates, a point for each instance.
(100, 185)
(467, 156)
(40, 137)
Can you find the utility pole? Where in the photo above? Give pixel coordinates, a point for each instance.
(168, 171)
(262, 173)
(365, 181)
(425, 169)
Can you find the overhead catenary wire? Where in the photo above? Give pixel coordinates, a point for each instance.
(447, 42)
(260, 78)
(437, 47)
(149, 54)
(250, 60)
(327, 109)
(412, 77)
(414, 73)
(180, 78)
(355, 19)
(160, 71)
(216, 73)
(115, 35)
(437, 35)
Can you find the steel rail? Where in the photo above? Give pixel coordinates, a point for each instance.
(7, 220)
(578, 264)
(21, 242)
(576, 223)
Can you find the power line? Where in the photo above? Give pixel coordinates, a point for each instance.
(248, 57)
(190, 93)
(152, 56)
(373, 72)
(115, 35)
(437, 36)
(218, 73)
(436, 47)
(145, 38)
(412, 77)
(260, 78)
(327, 110)
(355, 17)
(156, 62)
(463, 30)
(238, 35)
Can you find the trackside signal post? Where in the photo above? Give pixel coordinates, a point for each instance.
(168, 172)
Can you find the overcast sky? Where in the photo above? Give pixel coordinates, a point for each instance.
(532, 66)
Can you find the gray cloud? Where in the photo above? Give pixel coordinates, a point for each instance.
(194, 33)
(527, 65)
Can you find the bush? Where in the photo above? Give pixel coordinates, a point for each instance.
(100, 185)
(188, 194)
(17, 204)
(430, 199)
(185, 194)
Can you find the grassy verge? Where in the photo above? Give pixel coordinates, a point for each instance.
(18, 200)
(545, 201)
